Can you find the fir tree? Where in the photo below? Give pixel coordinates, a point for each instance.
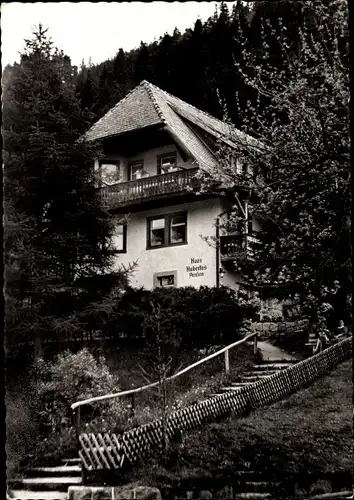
(57, 238)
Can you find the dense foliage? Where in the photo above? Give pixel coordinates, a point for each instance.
(300, 168)
(198, 317)
(57, 238)
(44, 429)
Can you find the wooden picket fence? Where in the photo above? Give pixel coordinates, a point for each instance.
(108, 451)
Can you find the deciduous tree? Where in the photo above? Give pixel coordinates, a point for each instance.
(300, 168)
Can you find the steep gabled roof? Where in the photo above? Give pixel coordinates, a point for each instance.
(148, 105)
(217, 128)
(134, 111)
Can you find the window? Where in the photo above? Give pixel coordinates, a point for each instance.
(166, 279)
(136, 170)
(178, 229)
(244, 292)
(167, 163)
(119, 238)
(167, 230)
(109, 172)
(241, 168)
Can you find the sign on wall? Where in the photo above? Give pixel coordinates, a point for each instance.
(196, 268)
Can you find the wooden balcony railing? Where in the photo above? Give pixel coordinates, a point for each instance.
(150, 187)
(238, 246)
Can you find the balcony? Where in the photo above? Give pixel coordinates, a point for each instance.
(236, 246)
(148, 188)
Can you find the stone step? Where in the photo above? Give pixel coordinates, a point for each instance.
(71, 461)
(252, 496)
(229, 389)
(59, 471)
(260, 373)
(44, 483)
(287, 361)
(37, 495)
(275, 366)
(258, 486)
(253, 378)
(248, 475)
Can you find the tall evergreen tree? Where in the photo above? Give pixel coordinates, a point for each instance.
(57, 238)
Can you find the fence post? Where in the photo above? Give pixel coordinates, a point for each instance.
(255, 343)
(133, 405)
(78, 422)
(227, 361)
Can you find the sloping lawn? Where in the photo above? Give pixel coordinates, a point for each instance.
(310, 432)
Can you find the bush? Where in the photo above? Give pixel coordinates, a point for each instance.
(21, 430)
(43, 427)
(199, 317)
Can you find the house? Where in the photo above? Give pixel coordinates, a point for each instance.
(154, 145)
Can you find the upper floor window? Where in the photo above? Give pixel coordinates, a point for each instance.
(110, 172)
(136, 170)
(167, 230)
(167, 163)
(240, 168)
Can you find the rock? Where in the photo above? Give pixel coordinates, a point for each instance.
(227, 493)
(79, 493)
(205, 495)
(300, 492)
(319, 487)
(101, 493)
(282, 327)
(117, 492)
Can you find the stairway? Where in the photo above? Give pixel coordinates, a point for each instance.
(252, 485)
(46, 483)
(259, 371)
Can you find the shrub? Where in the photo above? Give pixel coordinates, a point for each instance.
(40, 421)
(21, 429)
(199, 317)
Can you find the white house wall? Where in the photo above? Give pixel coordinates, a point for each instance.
(181, 258)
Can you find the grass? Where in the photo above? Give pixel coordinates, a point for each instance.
(310, 432)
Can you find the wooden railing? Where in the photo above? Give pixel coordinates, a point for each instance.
(110, 451)
(237, 246)
(131, 392)
(150, 187)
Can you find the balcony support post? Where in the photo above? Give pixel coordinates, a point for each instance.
(217, 249)
(246, 226)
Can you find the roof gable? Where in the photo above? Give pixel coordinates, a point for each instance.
(148, 105)
(135, 111)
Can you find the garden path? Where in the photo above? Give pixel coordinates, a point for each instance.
(271, 352)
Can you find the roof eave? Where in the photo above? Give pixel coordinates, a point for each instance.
(120, 134)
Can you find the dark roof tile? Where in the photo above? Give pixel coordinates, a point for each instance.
(148, 105)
